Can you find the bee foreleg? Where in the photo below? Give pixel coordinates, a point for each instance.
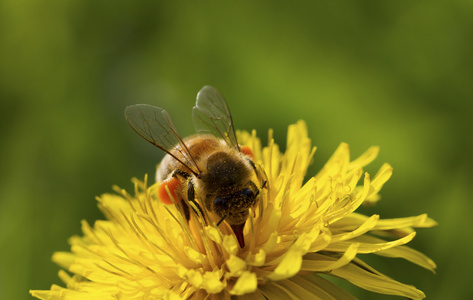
(191, 197)
(185, 209)
(190, 191)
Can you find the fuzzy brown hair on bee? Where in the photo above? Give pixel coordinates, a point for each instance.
(209, 169)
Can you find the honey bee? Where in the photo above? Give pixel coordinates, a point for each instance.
(210, 171)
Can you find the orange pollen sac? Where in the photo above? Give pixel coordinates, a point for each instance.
(247, 151)
(174, 186)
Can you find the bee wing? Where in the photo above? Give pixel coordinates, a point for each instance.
(155, 125)
(212, 115)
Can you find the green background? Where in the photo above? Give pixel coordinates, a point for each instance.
(397, 74)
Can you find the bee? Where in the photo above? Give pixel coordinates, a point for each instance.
(210, 171)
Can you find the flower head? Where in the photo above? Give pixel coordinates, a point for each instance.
(296, 233)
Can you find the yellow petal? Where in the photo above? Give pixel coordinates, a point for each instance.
(230, 244)
(370, 247)
(365, 158)
(292, 260)
(411, 255)
(318, 263)
(64, 259)
(369, 224)
(235, 265)
(377, 183)
(194, 255)
(374, 281)
(211, 282)
(288, 267)
(270, 244)
(259, 258)
(307, 287)
(214, 234)
(421, 221)
(319, 288)
(246, 283)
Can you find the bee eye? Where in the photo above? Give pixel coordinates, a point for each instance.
(246, 193)
(222, 202)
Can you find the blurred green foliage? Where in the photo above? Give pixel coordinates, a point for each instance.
(397, 74)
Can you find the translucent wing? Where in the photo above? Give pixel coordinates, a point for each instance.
(212, 115)
(155, 125)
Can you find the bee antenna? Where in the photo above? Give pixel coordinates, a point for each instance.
(221, 220)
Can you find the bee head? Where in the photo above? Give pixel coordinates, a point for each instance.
(234, 206)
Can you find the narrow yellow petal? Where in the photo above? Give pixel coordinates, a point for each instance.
(365, 158)
(369, 247)
(377, 183)
(421, 221)
(273, 290)
(256, 295)
(314, 287)
(317, 263)
(411, 255)
(48, 295)
(320, 287)
(376, 282)
(64, 276)
(64, 259)
(338, 162)
(350, 205)
(369, 224)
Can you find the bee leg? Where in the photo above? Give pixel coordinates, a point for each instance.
(251, 163)
(191, 197)
(258, 189)
(179, 174)
(185, 209)
(260, 176)
(190, 193)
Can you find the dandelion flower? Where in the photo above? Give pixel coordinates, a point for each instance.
(298, 235)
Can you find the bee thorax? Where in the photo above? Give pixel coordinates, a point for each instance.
(224, 173)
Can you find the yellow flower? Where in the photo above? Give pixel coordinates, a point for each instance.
(298, 232)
